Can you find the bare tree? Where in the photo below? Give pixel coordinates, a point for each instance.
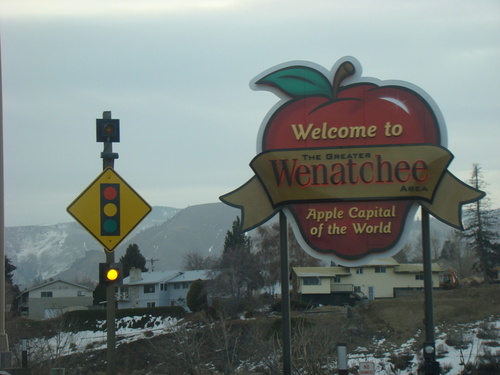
(268, 250)
(196, 261)
(184, 349)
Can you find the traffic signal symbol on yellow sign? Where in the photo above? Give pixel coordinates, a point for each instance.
(109, 209)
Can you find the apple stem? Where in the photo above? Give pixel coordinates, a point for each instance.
(345, 70)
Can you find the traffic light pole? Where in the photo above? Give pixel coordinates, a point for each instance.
(285, 296)
(108, 160)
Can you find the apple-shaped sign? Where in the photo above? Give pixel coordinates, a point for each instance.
(349, 159)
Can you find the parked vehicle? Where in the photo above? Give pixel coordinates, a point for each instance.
(449, 280)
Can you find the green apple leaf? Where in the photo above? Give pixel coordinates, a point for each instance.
(298, 81)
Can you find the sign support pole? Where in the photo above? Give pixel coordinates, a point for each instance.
(431, 366)
(285, 296)
(108, 160)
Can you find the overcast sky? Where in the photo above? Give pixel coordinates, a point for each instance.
(177, 73)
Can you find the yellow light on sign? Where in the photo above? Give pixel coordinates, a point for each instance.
(112, 274)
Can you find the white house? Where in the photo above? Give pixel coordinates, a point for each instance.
(160, 288)
(54, 298)
(381, 278)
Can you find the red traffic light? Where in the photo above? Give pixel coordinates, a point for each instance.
(107, 130)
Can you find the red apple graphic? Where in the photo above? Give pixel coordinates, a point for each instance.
(320, 114)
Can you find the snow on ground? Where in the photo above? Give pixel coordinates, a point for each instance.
(463, 345)
(66, 343)
(454, 349)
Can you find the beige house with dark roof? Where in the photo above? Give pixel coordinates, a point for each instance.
(381, 278)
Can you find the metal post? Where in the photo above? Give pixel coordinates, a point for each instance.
(285, 296)
(431, 366)
(4, 340)
(24, 353)
(342, 359)
(109, 161)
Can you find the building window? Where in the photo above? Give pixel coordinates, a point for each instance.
(151, 304)
(177, 286)
(185, 285)
(379, 269)
(149, 288)
(80, 293)
(165, 287)
(336, 279)
(359, 270)
(419, 276)
(46, 294)
(311, 280)
(357, 289)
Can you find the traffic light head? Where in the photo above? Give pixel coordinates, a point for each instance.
(107, 130)
(110, 274)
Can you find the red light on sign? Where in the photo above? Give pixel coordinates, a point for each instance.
(110, 210)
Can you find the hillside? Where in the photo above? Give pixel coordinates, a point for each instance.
(386, 332)
(67, 250)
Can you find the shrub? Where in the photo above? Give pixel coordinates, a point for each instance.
(196, 298)
(295, 305)
(295, 323)
(401, 361)
(487, 332)
(457, 340)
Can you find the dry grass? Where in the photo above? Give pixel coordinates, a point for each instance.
(402, 318)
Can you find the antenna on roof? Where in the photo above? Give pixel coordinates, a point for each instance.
(152, 263)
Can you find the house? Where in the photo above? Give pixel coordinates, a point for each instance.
(54, 298)
(160, 288)
(381, 278)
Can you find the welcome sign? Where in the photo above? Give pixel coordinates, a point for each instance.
(349, 159)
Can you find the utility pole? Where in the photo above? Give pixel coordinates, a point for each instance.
(5, 354)
(152, 263)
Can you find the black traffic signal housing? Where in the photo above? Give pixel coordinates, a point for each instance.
(107, 130)
(110, 209)
(110, 274)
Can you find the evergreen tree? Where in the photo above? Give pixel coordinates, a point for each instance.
(133, 259)
(11, 289)
(9, 270)
(196, 298)
(238, 269)
(480, 229)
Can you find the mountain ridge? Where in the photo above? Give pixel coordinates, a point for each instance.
(43, 252)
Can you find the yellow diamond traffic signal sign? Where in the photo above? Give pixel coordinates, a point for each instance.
(109, 209)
